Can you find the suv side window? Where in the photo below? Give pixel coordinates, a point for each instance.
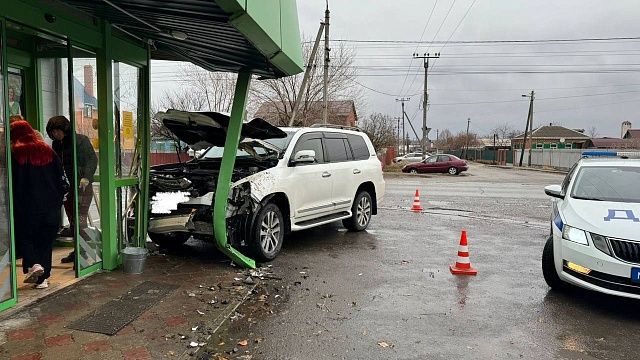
(312, 141)
(359, 147)
(337, 149)
(443, 158)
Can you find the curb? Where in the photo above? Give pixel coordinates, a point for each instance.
(529, 169)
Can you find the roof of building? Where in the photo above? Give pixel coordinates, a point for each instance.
(217, 35)
(632, 133)
(338, 110)
(610, 143)
(555, 132)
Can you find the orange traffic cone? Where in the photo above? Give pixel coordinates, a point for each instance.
(463, 264)
(416, 202)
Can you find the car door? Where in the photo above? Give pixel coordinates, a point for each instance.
(340, 157)
(309, 185)
(428, 165)
(443, 163)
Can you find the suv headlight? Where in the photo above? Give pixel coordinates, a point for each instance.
(575, 235)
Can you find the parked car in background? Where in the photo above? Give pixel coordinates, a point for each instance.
(441, 163)
(595, 228)
(410, 157)
(284, 180)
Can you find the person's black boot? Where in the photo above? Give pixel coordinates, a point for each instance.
(69, 258)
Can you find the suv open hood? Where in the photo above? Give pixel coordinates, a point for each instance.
(205, 129)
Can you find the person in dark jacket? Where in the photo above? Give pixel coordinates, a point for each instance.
(59, 130)
(39, 186)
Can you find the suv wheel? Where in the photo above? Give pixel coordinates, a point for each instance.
(268, 232)
(361, 212)
(169, 240)
(548, 267)
(453, 171)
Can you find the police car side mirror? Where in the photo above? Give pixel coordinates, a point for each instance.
(554, 191)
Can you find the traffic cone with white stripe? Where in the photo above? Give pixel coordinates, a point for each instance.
(463, 264)
(416, 202)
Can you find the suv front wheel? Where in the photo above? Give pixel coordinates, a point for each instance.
(268, 232)
(361, 212)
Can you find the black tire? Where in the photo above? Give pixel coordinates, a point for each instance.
(169, 240)
(453, 171)
(361, 212)
(413, 171)
(268, 233)
(549, 268)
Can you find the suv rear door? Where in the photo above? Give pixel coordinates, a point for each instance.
(341, 161)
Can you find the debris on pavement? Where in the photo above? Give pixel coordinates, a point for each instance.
(244, 342)
(384, 344)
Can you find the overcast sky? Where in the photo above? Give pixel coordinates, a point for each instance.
(565, 94)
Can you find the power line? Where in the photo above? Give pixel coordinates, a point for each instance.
(421, 37)
(434, 36)
(455, 29)
(596, 39)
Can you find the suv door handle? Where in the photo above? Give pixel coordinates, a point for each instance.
(326, 174)
(356, 171)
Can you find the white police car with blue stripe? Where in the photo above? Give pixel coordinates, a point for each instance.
(595, 226)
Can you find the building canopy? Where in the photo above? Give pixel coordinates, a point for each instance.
(257, 36)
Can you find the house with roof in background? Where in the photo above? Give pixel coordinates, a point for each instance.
(552, 137)
(341, 112)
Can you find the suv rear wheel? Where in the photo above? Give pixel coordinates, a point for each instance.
(268, 232)
(361, 212)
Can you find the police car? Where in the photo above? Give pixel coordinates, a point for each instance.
(595, 226)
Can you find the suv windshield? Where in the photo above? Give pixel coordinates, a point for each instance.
(608, 183)
(215, 152)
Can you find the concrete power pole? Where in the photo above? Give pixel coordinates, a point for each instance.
(466, 143)
(398, 138)
(307, 73)
(529, 124)
(325, 110)
(402, 101)
(425, 99)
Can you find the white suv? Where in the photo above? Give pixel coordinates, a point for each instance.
(285, 179)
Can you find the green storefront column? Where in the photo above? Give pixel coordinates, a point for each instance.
(226, 170)
(108, 218)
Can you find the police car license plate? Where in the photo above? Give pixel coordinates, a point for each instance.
(635, 275)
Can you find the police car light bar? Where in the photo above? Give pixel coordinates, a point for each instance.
(605, 153)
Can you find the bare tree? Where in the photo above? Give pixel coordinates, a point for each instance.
(203, 91)
(381, 130)
(281, 93)
(593, 132)
(458, 141)
(504, 134)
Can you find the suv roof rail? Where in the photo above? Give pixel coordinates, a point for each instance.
(334, 126)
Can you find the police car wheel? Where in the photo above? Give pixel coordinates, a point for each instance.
(548, 267)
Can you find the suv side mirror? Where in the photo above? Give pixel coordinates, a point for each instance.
(304, 157)
(554, 191)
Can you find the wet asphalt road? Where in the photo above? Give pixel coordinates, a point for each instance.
(343, 295)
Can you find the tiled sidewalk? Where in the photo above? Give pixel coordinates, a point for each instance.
(207, 295)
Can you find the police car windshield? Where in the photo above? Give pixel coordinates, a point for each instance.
(607, 183)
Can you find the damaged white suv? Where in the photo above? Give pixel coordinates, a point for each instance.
(285, 179)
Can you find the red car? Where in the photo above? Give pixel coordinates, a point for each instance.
(441, 163)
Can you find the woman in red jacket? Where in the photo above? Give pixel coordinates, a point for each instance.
(39, 186)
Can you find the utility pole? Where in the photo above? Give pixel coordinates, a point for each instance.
(307, 73)
(398, 138)
(402, 101)
(325, 112)
(466, 146)
(425, 98)
(529, 122)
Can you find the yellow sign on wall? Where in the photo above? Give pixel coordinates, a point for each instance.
(128, 133)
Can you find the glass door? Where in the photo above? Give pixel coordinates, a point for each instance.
(7, 255)
(127, 112)
(85, 179)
